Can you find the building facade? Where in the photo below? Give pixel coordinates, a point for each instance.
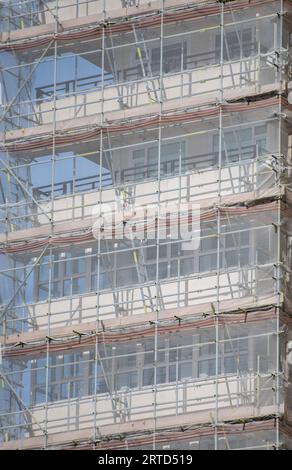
(111, 341)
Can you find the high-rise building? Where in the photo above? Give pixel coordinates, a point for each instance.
(118, 332)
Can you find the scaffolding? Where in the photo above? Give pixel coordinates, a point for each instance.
(127, 343)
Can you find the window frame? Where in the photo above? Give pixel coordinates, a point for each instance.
(241, 56)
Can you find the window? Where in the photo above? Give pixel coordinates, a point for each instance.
(241, 144)
(175, 360)
(172, 260)
(129, 3)
(145, 161)
(126, 379)
(70, 274)
(174, 58)
(265, 239)
(131, 365)
(236, 45)
(65, 377)
(232, 355)
(99, 377)
(76, 272)
(234, 247)
(149, 376)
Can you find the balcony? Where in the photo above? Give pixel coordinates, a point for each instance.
(255, 177)
(237, 396)
(183, 179)
(83, 98)
(237, 284)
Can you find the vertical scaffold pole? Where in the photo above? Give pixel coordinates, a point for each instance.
(97, 286)
(157, 280)
(217, 310)
(279, 218)
(51, 267)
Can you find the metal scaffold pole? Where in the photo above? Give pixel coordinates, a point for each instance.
(98, 323)
(218, 213)
(279, 268)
